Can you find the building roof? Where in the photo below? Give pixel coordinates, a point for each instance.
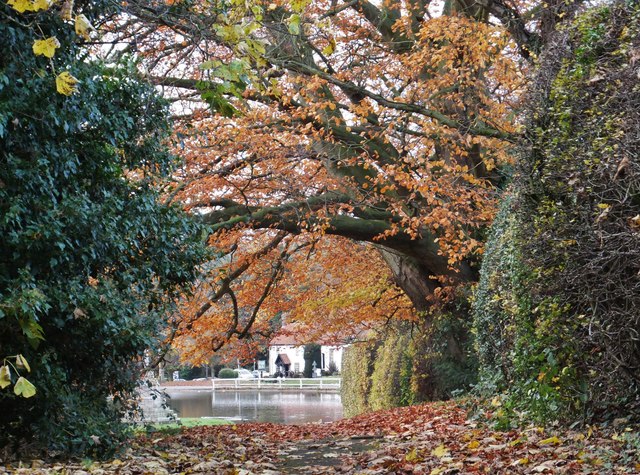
(291, 335)
(284, 358)
(285, 339)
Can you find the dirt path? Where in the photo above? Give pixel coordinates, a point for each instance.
(324, 456)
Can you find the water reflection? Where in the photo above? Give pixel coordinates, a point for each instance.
(262, 406)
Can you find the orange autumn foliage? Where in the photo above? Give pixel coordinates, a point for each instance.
(330, 298)
(309, 128)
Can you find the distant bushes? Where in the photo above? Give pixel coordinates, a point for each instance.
(227, 373)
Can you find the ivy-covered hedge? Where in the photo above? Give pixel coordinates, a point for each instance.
(406, 365)
(391, 378)
(357, 367)
(556, 309)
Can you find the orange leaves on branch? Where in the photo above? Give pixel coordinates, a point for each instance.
(382, 132)
(330, 289)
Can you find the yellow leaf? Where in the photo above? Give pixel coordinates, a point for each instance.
(41, 5)
(602, 205)
(299, 5)
(66, 83)
(524, 461)
(84, 27)
(412, 456)
(46, 47)
(330, 48)
(474, 444)
(495, 402)
(21, 5)
(436, 471)
(440, 451)
(21, 362)
(294, 24)
(5, 376)
(551, 441)
(29, 5)
(24, 388)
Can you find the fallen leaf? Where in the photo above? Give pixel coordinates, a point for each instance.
(440, 451)
(412, 456)
(551, 441)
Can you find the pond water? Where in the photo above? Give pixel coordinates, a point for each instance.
(262, 406)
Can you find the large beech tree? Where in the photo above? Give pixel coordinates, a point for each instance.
(376, 122)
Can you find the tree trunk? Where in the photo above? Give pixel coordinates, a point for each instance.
(412, 277)
(419, 283)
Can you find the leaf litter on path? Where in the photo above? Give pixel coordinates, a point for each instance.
(433, 439)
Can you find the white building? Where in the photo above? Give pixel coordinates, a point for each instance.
(286, 354)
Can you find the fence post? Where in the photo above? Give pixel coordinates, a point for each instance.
(213, 384)
(280, 383)
(259, 381)
(236, 381)
(320, 383)
(300, 383)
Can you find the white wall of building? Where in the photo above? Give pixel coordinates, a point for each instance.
(296, 356)
(331, 354)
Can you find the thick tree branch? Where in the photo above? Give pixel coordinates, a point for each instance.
(383, 20)
(287, 217)
(527, 41)
(474, 129)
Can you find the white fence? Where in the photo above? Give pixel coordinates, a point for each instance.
(278, 383)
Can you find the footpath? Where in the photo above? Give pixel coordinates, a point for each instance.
(433, 439)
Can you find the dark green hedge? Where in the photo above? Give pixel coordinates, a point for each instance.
(227, 373)
(90, 258)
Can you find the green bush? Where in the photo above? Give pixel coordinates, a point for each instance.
(357, 366)
(90, 258)
(312, 353)
(386, 380)
(332, 369)
(227, 373)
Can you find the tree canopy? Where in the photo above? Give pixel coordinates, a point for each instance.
(338, 122)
